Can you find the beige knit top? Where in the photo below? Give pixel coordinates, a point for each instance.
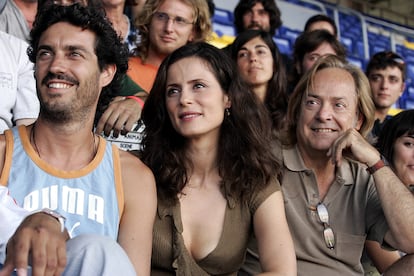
(170, 256)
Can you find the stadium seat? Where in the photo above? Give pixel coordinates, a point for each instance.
(352, 25)
(357, 62)
(224, 29)
(409, 104)
(347, 42)
(410, 71)
(283, 45)
(223, 16)
(291, 35)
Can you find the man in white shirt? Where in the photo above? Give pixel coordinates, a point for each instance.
(18, 100)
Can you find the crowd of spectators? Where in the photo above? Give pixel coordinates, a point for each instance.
(248, 160)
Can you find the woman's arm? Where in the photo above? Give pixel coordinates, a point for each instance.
(381, 258)
(276, 249)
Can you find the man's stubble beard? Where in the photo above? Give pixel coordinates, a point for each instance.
(77, 110)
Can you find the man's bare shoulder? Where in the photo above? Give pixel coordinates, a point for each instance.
(2, 142)
(133, 168)
(138, 182)
(128, 159)
(2, 151)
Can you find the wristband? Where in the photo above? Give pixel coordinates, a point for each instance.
(138, 100)
(61, 219)
(380, 164)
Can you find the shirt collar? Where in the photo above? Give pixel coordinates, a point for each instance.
(292, 161)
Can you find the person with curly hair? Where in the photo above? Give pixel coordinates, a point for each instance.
(92, 206)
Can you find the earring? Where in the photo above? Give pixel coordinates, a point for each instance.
(227, 112)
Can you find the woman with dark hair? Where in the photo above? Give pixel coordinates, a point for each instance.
(260, 65)
(207, 141)
(396, 143)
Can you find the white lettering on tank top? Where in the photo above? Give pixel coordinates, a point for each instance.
(73, 201)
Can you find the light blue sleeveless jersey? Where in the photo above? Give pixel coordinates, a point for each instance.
(88, 198)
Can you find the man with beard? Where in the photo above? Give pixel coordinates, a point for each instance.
(105, 195)
(258, 15)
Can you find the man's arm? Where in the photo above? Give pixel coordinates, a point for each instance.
(38, 241)
(396, 200)
(120, 116)
(404, 266)
(2, 154)
(25, 122)
(135, 231)
(122, 113)
(398, 204)
(26, 106)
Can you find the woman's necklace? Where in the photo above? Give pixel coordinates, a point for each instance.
(33, 139)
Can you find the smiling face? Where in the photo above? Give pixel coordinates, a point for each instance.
(67, 74)
(165, 36)
(327, 111)
(255, 62)
(195, 101)
(404, 158)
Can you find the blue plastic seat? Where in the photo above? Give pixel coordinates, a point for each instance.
(359, 48)
(359, 62)
(223, 16)
(410, 92)
(410, 71)
(409, 104)
(283, 44)
(224, 29)
(291, 35)
(348, 43)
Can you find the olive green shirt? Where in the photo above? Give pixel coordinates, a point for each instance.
(170, 256)
(355, 214)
